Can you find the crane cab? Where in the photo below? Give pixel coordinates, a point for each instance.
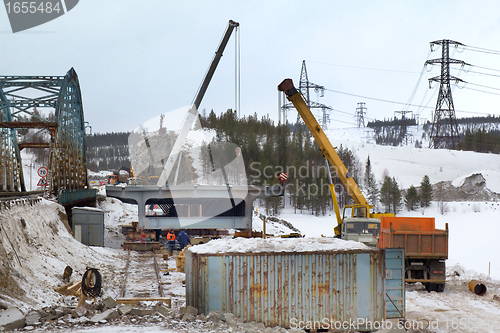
(358, 225)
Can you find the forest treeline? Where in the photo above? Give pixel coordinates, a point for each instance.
(269, 149)
(479, 134)
(107, 151)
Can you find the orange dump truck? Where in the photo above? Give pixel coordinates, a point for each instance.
(426, 248)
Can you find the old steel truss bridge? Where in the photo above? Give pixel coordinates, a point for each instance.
(22, 126)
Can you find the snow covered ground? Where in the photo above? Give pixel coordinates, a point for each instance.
(408, 164)
(473, 226)
(49, 248)
(45, 247)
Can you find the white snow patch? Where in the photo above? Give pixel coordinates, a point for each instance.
(270, 245)
(90, 209)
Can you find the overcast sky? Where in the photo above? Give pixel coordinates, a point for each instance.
(138, 59)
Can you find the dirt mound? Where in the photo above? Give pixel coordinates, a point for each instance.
(35, 248)
(473, 188)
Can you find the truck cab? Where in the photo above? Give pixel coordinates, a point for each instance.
(358, 227)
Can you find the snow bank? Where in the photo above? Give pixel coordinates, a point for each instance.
(259, 245)
(118, 213)
(36, 246)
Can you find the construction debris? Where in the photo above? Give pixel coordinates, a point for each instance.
(70, 289)
(67, 273)
(477, 287)
(89, 316)
(180, 260)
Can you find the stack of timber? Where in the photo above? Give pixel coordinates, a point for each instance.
(180, 260)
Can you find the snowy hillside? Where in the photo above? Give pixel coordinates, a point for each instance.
(408, 164)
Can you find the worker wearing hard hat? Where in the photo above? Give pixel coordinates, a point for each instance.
(171, 240)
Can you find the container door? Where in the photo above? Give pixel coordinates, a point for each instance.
(95, 222)
(95, 232)
(78, 232)
(394, 283)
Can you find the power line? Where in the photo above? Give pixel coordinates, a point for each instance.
(416, 87)
(484, 91)
(372, 98)
(487, 74)
(480, 49)
(400, 103)
(487, 68)
(480, 85)
(347, 113)
(365, 68)
(345, 122)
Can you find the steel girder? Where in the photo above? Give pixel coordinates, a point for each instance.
(20, 96)
(69, 162)
(11, 171)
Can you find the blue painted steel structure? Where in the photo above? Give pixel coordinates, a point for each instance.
(285, 288)
(20, 96)
(395, 283)
(72, 196)
(11, 175)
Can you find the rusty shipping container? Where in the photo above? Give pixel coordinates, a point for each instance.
(288, 288)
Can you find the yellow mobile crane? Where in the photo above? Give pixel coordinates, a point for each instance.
(357, 222)
(426, 248)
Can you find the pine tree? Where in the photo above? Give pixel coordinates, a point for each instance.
(385, 193)
(390, 195)
(395, 196)
(425, 192)
(411, 198)
(371, 184)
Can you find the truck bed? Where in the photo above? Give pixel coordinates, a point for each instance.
(417, 235)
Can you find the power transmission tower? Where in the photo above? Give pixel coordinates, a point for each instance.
(405, 122)
(444, 132)
(304, 86)
(360, 114)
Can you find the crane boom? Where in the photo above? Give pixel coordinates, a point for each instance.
(324, 144)
(193, 110)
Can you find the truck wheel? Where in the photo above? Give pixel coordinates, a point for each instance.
(430, 287)
(440, 287)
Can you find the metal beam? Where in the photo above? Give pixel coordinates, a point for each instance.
(28, 124)
(67, 160)
(33, 145)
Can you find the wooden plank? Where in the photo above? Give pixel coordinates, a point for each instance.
(69, 289)
(168, 270)
(135, 300)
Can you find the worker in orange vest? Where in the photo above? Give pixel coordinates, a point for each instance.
(171, 240)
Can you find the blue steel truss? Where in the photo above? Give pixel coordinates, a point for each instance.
(20, 96)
